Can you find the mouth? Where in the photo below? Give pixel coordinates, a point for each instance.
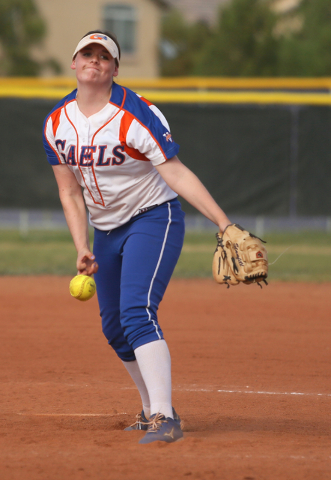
(90, 67)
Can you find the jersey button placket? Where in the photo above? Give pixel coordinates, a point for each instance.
(86, 171)
(94, 188)
(85, 134)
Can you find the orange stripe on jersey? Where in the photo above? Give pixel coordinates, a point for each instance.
(103, 126)
(77, 159)
(112, 118)
(125, 125)
(56, 120)
(134, 153)
(144, 126)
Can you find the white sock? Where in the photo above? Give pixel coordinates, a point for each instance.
(155, 366)
(134, 371)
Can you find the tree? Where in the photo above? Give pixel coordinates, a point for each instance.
(180, 45)
(247, 41)
(243, 44)
(307, 52)
(21, 27)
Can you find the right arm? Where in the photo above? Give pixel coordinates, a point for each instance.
(73, 204)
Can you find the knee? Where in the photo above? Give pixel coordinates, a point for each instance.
(113, 332)
(141, 328)
(119, 344)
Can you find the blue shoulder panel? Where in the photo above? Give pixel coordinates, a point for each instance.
(140, 109)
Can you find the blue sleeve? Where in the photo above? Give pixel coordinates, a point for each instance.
(52, 156)
(142, 110)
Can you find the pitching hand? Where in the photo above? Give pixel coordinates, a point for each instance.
(86, 264)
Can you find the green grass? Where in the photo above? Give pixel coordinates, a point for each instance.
(41, 252)
(305, 256)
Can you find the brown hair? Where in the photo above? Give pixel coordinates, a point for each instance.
(110, 35)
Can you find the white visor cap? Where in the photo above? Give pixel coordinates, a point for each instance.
(107, 42)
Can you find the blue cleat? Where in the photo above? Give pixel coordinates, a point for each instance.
(162, 429)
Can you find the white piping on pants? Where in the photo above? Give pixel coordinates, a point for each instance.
(155, 272)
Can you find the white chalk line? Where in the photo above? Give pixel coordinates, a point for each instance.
(71, 414)
(251, 392)
(224, 455)
(259, 392)
(192, 388)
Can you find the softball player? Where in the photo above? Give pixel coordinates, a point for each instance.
(116, 146)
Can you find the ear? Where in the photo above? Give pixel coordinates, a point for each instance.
(73, 65)
(116, 72)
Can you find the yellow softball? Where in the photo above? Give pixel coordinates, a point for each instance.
(82, 287)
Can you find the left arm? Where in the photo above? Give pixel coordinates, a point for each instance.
(184, 182)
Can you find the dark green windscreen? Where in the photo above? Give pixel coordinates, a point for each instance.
(255, 160)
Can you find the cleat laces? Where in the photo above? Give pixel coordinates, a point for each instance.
(139, 422)
(155, 424)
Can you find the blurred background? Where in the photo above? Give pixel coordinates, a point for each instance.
(244, 84)
(242, 38)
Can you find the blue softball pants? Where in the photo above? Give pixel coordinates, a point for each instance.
(136, 262)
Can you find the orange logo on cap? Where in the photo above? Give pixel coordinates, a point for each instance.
(259, 255)
(98, 37)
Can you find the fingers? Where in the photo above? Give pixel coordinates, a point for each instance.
(88, 270)
(86, 264)
(92, 269)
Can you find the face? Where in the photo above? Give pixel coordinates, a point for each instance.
(95, 64)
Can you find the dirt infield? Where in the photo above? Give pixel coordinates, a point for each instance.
(251, 378)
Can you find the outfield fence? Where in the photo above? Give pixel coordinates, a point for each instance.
(261, 146)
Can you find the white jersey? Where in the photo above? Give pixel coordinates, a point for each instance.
(112, 154)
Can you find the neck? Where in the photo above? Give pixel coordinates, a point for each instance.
(91, 100)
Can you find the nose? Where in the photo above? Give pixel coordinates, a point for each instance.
(95, 58)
